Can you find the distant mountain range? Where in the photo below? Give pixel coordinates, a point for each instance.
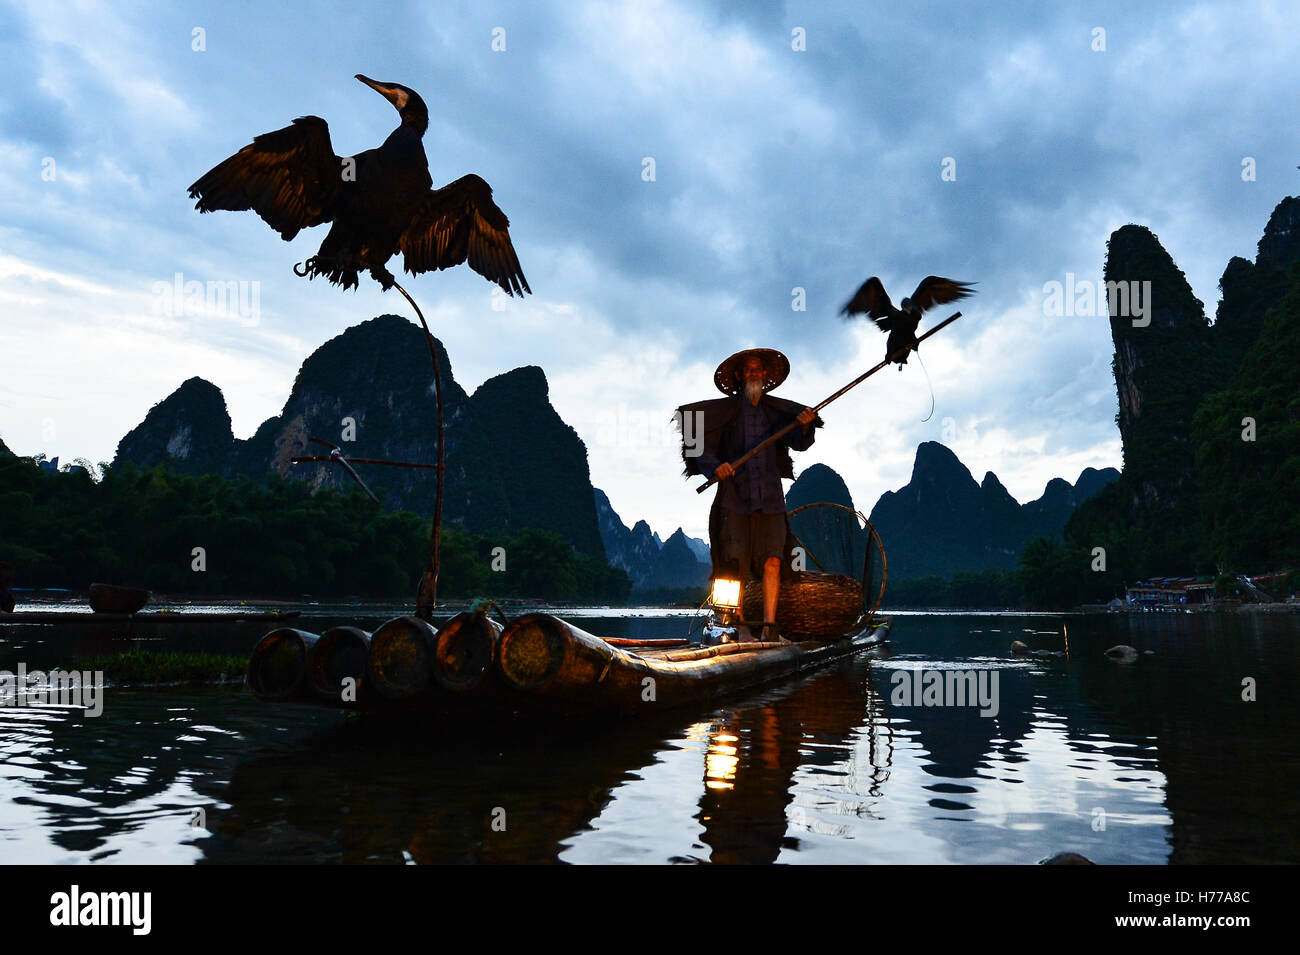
(941, 522)
(513, 463)
(680, 561)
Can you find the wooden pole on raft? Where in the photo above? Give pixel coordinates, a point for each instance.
(427, 594)
(773, 438)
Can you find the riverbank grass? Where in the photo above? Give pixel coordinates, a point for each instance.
(144, 667)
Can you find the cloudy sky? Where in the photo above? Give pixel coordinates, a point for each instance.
(794, 146)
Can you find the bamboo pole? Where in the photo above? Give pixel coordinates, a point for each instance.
(777, 436)
(464, 651)
(427, 595)
(278, 665)
(551, 662)
(339, 655)
(326, 458)
(400, 664)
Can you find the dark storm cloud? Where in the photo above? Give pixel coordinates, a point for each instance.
(775, 168)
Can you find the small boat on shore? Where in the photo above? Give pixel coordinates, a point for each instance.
(109, 598)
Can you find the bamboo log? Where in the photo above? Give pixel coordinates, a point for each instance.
(402, 651)
(647, 644)
(339, 655)
(277, 667)
(721, 650)
(533, 649)
(464, 651)
(552, 661)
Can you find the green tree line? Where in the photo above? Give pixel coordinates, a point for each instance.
(275, 539)
(975, 590)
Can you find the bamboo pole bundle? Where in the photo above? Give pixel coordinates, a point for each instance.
(277, 667)
(339, 655)
(400, 666)
(552, 661)
(464, 652)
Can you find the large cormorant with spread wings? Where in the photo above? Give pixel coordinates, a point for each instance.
(901, 322)
(379, 202)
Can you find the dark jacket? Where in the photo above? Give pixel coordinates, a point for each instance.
(723, 441)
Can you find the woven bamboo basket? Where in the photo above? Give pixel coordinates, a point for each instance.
(812, 604)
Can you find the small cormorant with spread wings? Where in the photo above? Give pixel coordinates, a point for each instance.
(901, 322)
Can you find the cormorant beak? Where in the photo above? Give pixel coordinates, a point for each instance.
(394, 94)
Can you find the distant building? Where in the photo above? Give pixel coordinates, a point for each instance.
(1274, 584)
(1171, 591)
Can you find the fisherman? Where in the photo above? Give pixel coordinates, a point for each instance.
(749, 534)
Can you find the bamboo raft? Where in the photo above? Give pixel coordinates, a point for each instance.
(540, 663)
(534, 663)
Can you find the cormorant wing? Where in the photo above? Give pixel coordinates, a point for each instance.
(934, 290)
(291, 178)
(874, 300)
(460, 223)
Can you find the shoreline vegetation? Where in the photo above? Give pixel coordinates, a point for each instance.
(209, 535)
(153, 668)
(282, 542)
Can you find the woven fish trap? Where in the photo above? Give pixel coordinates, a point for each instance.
(811, 604)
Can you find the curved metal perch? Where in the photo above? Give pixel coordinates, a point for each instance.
(427, 595)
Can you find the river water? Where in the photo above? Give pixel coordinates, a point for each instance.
(1157, 761)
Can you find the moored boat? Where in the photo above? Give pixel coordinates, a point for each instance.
(109, 598)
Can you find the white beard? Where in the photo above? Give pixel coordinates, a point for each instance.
(753, 391)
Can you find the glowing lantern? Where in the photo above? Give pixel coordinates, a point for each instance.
(726, 594)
